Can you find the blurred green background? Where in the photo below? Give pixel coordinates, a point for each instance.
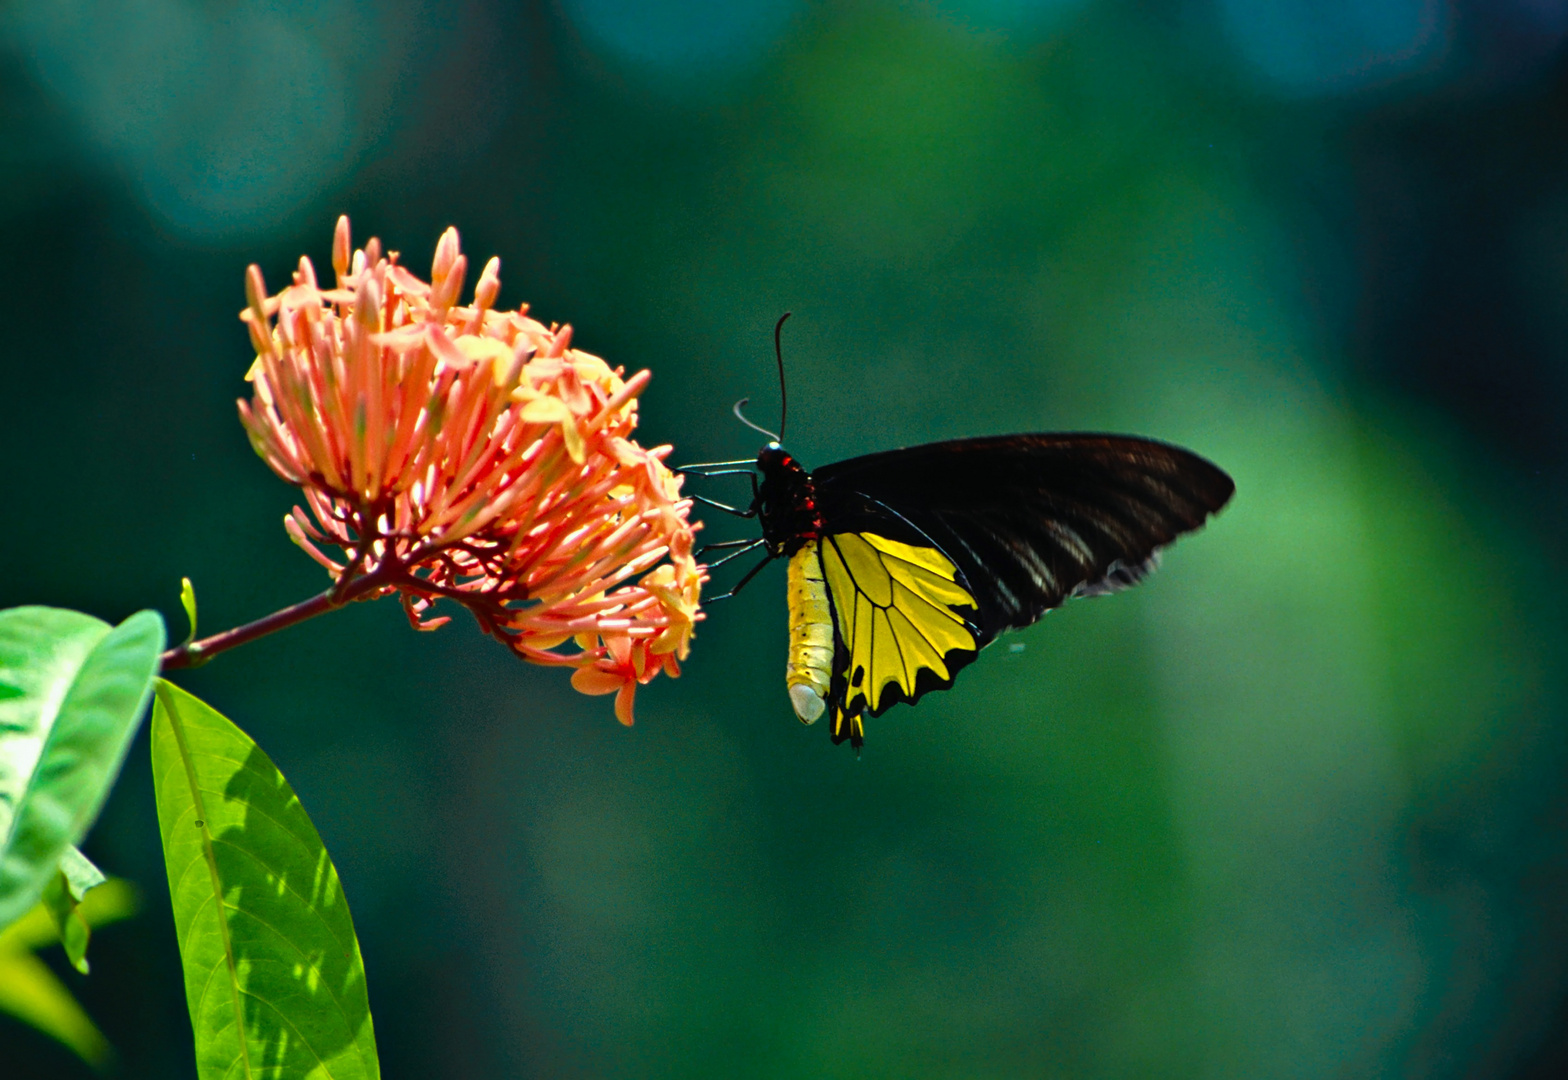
(1295, 808)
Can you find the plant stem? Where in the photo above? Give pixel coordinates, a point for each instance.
(199, 652)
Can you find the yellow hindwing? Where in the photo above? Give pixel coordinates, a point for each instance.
(899, 611)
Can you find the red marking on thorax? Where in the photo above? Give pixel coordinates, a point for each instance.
(808, 503)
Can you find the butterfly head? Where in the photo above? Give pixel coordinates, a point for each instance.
(778, 466)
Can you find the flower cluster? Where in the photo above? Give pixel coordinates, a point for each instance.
(468, 454)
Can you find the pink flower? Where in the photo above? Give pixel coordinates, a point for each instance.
(462, 453)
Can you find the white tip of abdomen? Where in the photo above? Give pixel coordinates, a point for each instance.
(808, 703)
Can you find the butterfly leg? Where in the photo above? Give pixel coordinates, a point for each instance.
(752, 473)
(755, 493)
(741, 584)
(723, 544)
(728, 509)
(751, 545)
(698, 466)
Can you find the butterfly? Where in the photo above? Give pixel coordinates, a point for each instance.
(904, 564)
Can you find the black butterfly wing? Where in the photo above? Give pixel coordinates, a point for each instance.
(1028, 520)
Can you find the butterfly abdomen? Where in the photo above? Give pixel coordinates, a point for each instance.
(810, 668)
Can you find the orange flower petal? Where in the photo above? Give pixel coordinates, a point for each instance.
(575, 447)
(546, 410)
(593, 682)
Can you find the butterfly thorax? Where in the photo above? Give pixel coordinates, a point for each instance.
(786, 503)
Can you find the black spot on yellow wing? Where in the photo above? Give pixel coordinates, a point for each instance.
(903, 620)
(848, 727)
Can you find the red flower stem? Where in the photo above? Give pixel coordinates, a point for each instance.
(199, 652)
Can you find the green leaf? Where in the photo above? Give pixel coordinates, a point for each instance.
(273, 975)
(63, 895)
(80, 874)
(188, 602)
(71, 694)
(41, 650)
(29, 990)
(61, 906)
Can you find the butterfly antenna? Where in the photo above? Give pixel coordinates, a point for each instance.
(755, 427)
(778, 352)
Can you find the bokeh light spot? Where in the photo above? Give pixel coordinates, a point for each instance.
(224, 121)
(1330, 46)
(1023, 18)
(682, 44)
